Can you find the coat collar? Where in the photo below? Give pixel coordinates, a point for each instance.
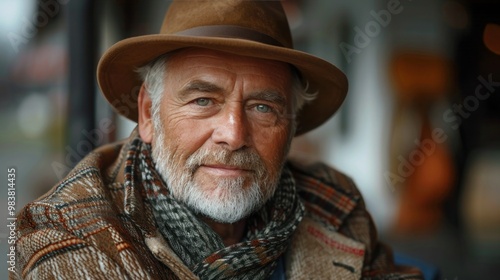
(327, 194)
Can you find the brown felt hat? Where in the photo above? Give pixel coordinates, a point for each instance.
(249, 28)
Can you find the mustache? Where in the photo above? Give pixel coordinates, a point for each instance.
(244, 159)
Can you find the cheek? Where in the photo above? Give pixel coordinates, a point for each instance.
(184, 136)
(271, 145)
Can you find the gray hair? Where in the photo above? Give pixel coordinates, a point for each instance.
(153, 75)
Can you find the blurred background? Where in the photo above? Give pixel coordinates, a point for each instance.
(419, 132)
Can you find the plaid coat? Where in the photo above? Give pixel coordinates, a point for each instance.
(80, 230)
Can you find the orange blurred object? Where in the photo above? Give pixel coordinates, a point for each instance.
(491, 37)
(419, 76)
(425, 190)
(420, 81)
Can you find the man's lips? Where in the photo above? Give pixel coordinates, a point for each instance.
(224, 170)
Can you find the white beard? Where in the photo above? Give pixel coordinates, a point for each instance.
(231, 200)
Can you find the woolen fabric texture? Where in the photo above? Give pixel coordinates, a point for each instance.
(92, 225)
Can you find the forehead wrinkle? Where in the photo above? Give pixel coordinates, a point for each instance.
(200, 85)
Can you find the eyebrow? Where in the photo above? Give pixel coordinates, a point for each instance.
(198, 85)
(270, 95)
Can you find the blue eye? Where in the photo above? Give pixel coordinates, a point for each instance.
(263, 108)
(202, 101)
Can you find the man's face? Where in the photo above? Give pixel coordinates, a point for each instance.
(221, 135)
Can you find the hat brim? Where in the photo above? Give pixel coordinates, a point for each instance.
(118, 80)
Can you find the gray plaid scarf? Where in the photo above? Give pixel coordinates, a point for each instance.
(269, 231)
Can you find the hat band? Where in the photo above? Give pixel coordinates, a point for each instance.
(230, 31)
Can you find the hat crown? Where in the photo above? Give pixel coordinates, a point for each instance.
(262, 17)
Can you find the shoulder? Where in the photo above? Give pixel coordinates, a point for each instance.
(77, 217)
(83, 194)
(337, 219)
(101, 166)
(323, 174)
(327, 193)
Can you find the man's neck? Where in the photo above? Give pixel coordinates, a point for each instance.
(230, 233)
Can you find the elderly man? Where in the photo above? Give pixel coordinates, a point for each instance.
(203, 189)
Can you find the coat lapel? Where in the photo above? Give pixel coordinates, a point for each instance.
(326, 254)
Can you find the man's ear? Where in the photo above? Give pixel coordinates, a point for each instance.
(145, 120)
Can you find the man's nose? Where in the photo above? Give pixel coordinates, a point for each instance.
(232, 127)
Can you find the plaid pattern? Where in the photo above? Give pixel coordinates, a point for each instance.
(92, 225)
(332, 199)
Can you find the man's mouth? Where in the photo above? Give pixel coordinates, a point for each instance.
(225, 170)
